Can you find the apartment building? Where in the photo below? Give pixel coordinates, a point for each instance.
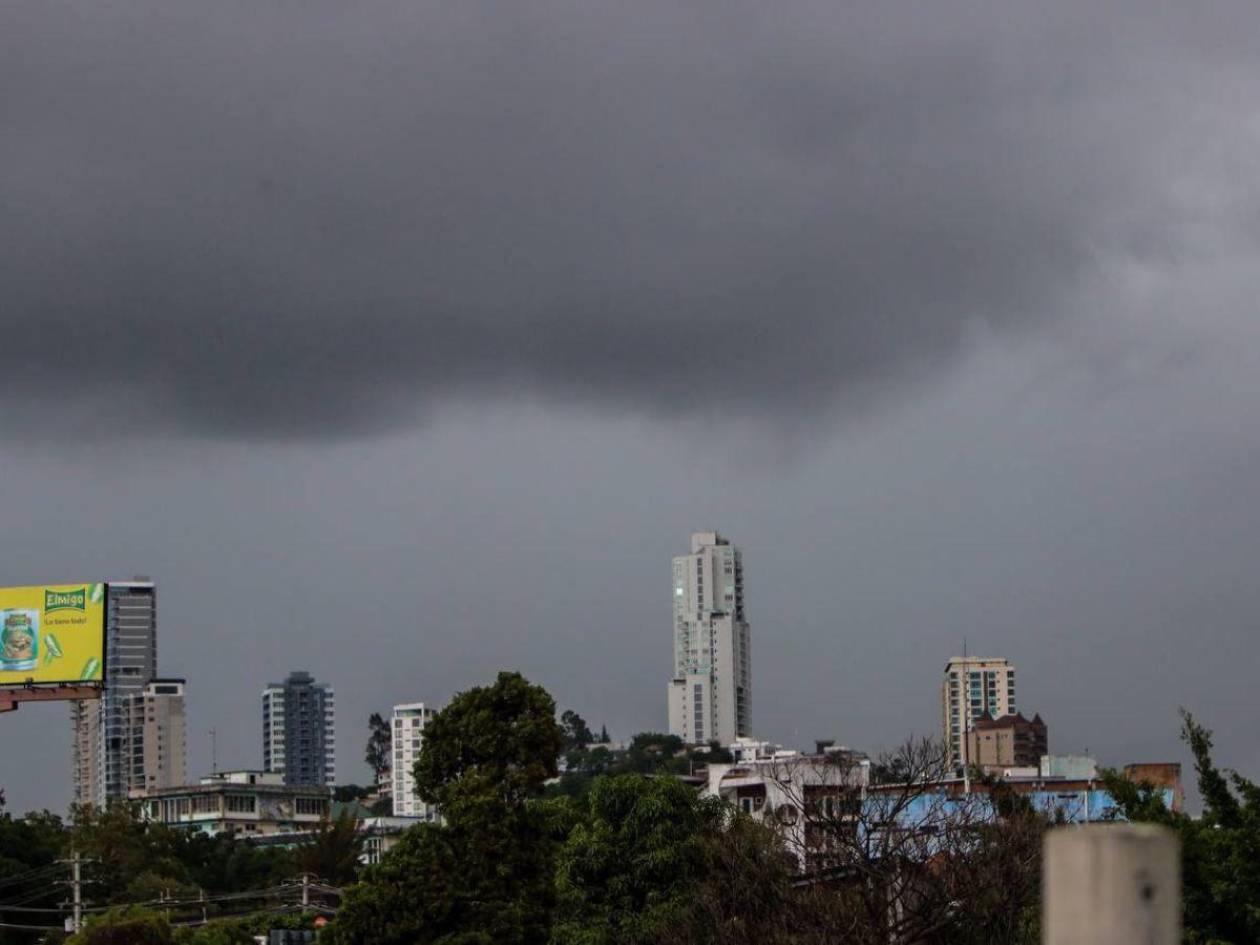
(101, 767)
(710, 693)
(299, 730)
(973, 686)
(155, 739)
(408, 724)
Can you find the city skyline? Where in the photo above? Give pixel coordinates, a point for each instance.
(998, 702)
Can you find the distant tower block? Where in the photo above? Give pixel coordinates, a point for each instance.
(710, 694)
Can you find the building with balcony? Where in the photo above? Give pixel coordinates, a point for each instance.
(710, 692)
(299, 730)
(103, 764)
(245, 803)
(799, 793)
(155, 736)
(973, 686)
(406, 740)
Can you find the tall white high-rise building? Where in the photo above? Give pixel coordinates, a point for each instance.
(408, 736)
(973, 686)
(710, 694)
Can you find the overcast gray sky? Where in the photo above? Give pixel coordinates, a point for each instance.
(404, 342)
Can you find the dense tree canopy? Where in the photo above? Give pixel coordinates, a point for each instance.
(1220, 851)
(485, 875)
(29, 873)
(501, 739)
(332, 852)
(125, 927)
(628, 869)
(647, 753)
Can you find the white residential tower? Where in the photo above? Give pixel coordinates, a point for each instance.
(408, 735)
(710, 694)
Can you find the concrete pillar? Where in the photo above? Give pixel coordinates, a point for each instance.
(1111, 884)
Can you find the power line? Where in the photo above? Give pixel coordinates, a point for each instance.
(33, 895)
(32, 928)
(31, 875)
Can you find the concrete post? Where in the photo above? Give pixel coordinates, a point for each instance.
(1111, 884)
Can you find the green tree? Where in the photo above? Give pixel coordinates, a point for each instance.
(30, 847)
(499, 741)
(125, 926)
(581, 769)
(225, 864)
(332, 852)
(486, 874)
(626, 875)
(747, 894)
(1220, 851)
(650, 752)
(577, 734)
(718, 755)
(241, 931)
(379, 744)
(122, 847)
(345, 793)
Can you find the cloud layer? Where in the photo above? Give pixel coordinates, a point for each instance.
(313, 219)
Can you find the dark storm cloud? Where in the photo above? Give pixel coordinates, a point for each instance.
(292, 219)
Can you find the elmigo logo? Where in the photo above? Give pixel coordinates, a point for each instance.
(65, 600)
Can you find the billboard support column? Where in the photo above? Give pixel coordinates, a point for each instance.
(10, 699)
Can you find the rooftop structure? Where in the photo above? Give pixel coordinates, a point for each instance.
(239, 802)
(1012, 741)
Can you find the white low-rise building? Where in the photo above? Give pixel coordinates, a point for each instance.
(791, 790)
(249, 803)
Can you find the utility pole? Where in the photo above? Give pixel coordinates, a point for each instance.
(306, 890)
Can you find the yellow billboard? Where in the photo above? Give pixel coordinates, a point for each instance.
(52, 634)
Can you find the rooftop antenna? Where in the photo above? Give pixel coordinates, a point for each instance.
(214, 752)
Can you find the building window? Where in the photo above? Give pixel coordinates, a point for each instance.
(242, 803)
